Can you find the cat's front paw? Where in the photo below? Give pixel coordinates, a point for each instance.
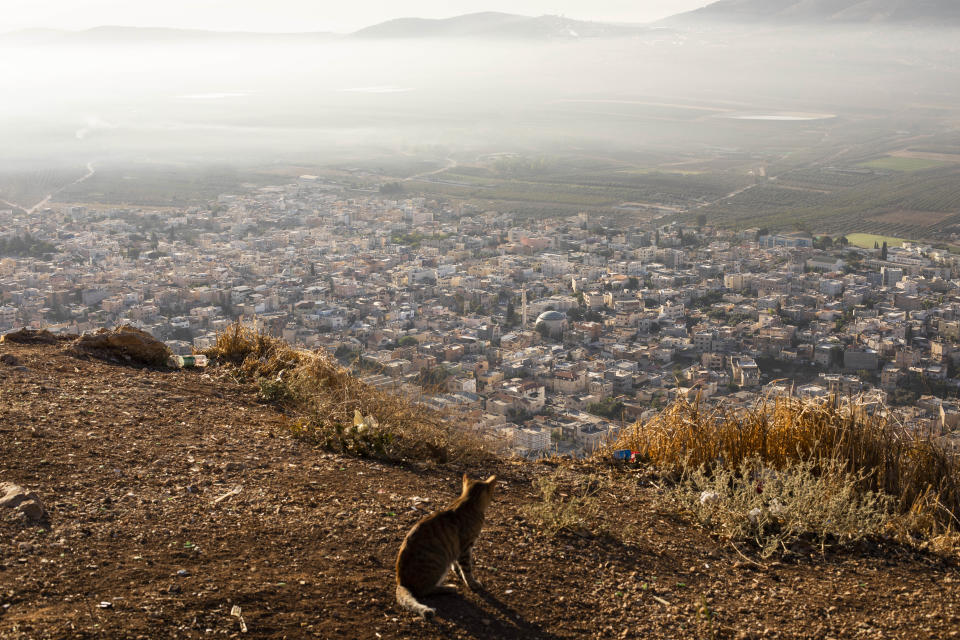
(475, 585)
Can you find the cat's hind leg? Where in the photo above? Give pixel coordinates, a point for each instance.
(443, 588)
(464, 568)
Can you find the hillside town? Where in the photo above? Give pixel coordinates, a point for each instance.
(548, 333)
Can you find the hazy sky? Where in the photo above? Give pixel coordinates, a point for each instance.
(306, 15)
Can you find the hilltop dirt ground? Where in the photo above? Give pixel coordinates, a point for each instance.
(174, 496)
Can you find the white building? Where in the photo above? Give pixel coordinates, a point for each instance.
(831, 287)
(737, 281)
(532, 439)
(672, 311)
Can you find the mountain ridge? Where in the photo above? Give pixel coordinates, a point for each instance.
(806, 12)
(490, 24)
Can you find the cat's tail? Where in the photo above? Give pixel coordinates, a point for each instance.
(406, 600)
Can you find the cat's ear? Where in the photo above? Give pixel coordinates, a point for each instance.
(491, 479)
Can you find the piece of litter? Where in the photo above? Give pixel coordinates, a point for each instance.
(229, 494)
(236, 613)
(661, 601)
(106, 605)
(708, 497)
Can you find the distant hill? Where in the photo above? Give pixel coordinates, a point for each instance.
(496, 25)
(924, 12)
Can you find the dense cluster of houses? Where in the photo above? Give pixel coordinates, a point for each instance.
(547, 333)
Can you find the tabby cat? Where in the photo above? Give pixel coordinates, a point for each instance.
(440, 541)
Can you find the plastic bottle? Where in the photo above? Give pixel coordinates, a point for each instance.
(190, 362)
(187, 362)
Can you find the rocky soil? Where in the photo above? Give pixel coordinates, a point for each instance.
(179, 507)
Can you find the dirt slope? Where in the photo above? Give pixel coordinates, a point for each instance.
(175, 496)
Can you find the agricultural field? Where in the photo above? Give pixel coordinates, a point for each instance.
(851, 174)
(583, 181)
(867, 240)
(902, 163)
(845, 198)
(160, 185)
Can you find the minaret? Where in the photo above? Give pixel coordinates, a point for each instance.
(523, 303)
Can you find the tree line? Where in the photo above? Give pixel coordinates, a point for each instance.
(25, 246)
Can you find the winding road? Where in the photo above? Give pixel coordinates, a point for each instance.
(451, 163)
(90, 171)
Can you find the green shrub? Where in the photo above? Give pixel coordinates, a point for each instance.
(815, 502)
(274, 390)
(364, 437)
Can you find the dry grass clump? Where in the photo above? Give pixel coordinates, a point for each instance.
(819, 504)
(921, 474)
(253, 352)
(337, 410)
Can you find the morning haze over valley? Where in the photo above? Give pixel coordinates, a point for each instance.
(684, 276)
